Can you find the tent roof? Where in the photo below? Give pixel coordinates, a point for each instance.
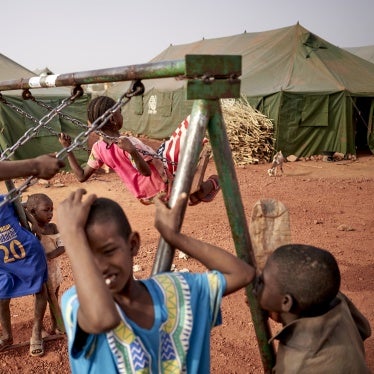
(288, 59)
(365, 52)
(10, 70)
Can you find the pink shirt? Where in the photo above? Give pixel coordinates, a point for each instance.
(140, 186)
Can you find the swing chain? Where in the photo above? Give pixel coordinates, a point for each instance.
(26, 115)
(136, 88)
(157, 156)
(32, 118)
(30, 133)
(17, 109)
(114, 140)
(27, 95)
(16, 193)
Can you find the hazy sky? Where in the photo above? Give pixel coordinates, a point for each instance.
(79, 35)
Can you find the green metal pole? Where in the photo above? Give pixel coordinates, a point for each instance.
(184, 177)
(209, 112)
(239, 227)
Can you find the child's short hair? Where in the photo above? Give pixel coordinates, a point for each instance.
(309, 274)
(34, 200)
(104, 210)
(98, 106)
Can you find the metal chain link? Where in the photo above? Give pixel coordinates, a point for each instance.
(80, 139)
(27, 95)
(30, 133)
(35, 120)
(95, 126)
(15, 193)
(114, 139)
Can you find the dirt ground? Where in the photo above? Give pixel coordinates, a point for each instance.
(330, 205)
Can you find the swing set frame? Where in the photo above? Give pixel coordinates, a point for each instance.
(208, 78)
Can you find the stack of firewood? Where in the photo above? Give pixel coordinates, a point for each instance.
(250, 133)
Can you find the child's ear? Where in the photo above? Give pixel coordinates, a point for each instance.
(134, 241)
(287, 303)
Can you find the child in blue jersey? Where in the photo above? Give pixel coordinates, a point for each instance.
(117, 324)
(24, 272)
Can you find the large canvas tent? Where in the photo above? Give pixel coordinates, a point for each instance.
(319, 97)
(14, 125)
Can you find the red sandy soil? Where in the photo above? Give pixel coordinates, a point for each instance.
(320, 196)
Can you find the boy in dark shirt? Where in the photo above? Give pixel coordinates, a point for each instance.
(322, 332)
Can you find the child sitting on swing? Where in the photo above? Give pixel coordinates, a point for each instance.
(144, 175)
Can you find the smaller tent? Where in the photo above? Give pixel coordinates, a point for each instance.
(13, 125)
(365, 52)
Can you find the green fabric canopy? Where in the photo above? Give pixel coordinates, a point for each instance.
(319, 97)
(13, 125)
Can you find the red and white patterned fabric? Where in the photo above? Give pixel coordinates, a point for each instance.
(171, 148)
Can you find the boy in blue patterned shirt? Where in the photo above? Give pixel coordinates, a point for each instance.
(117, 324)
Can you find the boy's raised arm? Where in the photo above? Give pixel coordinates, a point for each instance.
(94, 296)
(237, 273)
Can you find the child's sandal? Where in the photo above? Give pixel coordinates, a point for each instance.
(214, 191)
(36, 348)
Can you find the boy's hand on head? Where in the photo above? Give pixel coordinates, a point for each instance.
(72, 213)
(168, 220)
